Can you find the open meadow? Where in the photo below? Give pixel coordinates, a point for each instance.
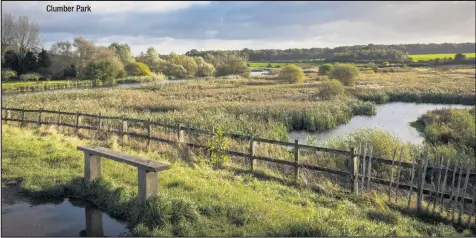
(426, 57)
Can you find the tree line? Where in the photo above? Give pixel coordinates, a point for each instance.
(356, 53)
(23, 57)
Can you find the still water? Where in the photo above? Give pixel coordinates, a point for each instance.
(70, 217)
(393, 117)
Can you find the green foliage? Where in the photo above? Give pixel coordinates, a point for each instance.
(325, 69)
(346, 73)
(459, 57)
(175, 70)
(373, 67)
(217, 146)
(30, 77)
(229, 65)
(102, 72)
(386, 64)
(204, 69)
(331, 88)
(44, 60)
(137, 69)
(70, 72)
(188, 63)
(291, 73)
(7, 74)
(454, 126)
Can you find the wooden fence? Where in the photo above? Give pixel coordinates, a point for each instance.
(428, 178)
(45, 87)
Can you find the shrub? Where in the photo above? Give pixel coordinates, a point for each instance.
(7, 74)
(386, 64)
(373, 67)
(331, 89)
(217, 146)
(30, 77)
(102, 72)
(346, 73)
(137, 69)
(325, 69)
(292, 74)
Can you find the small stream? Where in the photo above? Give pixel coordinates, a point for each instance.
(72, 217)
(393, 117)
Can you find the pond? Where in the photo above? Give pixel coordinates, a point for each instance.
(393, 117)
(260, 72)
(71, 217)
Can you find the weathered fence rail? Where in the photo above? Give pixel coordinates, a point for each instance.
(360, 161)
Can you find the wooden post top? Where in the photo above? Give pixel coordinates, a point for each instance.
(150, 165)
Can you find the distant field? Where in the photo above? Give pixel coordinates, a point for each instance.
(266, 64)
(22, 83)
(441, 56)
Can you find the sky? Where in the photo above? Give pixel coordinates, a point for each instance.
(182, 26)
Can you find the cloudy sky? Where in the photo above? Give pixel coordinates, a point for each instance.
(181, 26)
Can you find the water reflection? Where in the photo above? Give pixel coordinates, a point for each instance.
(72, 217)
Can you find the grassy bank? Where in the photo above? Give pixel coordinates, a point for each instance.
(421, 85)
(449, 126)
(426, 57)
(198, 201)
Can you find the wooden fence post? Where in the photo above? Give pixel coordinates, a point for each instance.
(363, 166)
(398, 174)
(391, 174)
(457, 192)
(453, 185)
(464, 193)
(443, 185)
(251, 152)
(100, 122)
(39, 117)
(124, 129)
(423, 164)
(411, 184)
(355, 171)
(149, 132)
(8, 114)
(435, 202)
(77, 124)
(369, 172)
(296, 161)
(22, 117)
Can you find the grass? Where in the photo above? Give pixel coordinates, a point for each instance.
(23, 83)
(198, 201)
(264, 108)
(421, 85)
(425, 57)
(449, 126)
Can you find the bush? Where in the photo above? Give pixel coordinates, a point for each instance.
(373, 67)
(30, 77)
(346, 73)
(325, 69)
(102, 72)
(331, 89)
(292, 74)
(7, 74)
(137, 69)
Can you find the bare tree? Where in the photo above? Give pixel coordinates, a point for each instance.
(8, 26)
(27, 35)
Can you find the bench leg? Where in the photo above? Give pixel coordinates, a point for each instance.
(93, 221)
(147, 184)
(92, 167)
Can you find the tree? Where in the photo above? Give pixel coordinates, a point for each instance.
(459, 57)
(30, 62)
(204, 69)
(11, 61)
(26, 35)
(137, 69)
(331, 88)
(123, 51)
(231, 65)
(325, 69)
(175, 70)
(70, 72)
(44, 59)
(346, 73)
(103, 71)
(292, 74)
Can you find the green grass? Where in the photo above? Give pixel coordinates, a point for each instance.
(421, 85)
(426, 57)
(449, 126)
(198, 201)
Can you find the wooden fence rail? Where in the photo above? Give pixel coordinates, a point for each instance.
(357, 158)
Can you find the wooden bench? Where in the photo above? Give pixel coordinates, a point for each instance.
(147, 169)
